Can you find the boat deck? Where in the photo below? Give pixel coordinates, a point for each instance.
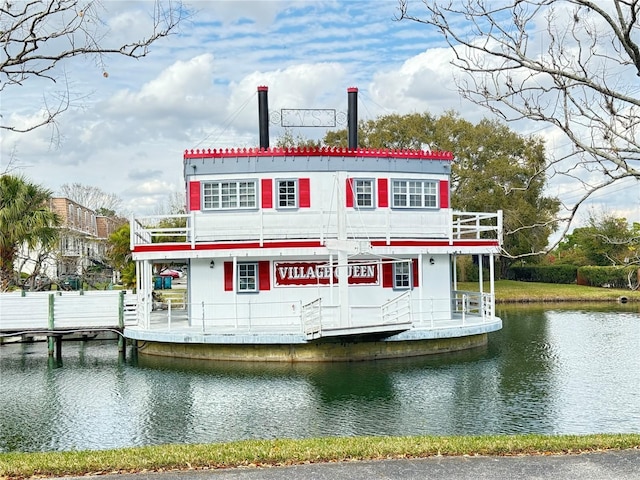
(176, 328)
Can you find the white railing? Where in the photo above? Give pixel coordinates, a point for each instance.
(312, 317)
(476, 225)
(158, 228)
(464, 308)
(397, 310)
(474, 304)
(317, 225)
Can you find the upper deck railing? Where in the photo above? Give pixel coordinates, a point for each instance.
(315, 225)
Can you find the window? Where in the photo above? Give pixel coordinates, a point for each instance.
(247, 277)
(287, 193)
(230, 195)
(415, 194)
(402, 275)
(363, 193)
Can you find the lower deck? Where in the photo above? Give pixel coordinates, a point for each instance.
(180, 325)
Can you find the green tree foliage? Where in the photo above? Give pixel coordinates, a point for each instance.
(25, 220)
(494, 169)
(119, 255)
(288, 140)
(604, 241)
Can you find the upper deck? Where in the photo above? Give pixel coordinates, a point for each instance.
(313, 197)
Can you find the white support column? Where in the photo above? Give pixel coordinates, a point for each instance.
(331, 284)
(480, 279)
(234, 279)
(455, 271)
(420, 275)
(343, 274)
(492, 285)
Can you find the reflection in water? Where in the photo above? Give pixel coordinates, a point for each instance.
(547, 371)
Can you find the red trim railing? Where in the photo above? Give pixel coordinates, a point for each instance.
(318, 152)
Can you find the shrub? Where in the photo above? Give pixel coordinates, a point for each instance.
(612, 277)
(544, 273)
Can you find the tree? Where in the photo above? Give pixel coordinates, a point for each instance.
(25, 220)
(288, 140)
(93, 198)
(572, 64)
(37, 38)
(605, 241)
(119, 255)
(494, 169)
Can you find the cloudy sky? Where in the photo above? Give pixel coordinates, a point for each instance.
(126, 132)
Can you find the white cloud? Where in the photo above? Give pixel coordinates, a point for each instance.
(197, 89)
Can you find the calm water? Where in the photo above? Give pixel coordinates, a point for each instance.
(547, 371)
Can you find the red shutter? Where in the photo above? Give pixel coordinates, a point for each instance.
(349, 192)
(416, 273)
(305, 193)
(387, 275)
(228, 276)
(267, 193)
(264, 275)
(383, 192)
(194, 196)
(444, 194)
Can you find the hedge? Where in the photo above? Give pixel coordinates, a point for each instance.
(612, 277)
(544, 273)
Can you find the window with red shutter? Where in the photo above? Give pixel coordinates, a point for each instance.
(194, 196)
(383, 192)
(264, 275)
(305, 193)
(228, 276)
(267, 192)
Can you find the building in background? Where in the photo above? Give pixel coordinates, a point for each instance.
(81, 249)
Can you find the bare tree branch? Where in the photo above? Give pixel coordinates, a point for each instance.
(572, 64)
(38, 36)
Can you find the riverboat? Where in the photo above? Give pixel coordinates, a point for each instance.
(314, 254)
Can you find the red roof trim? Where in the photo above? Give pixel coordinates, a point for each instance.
(317, 152)
(171, 247)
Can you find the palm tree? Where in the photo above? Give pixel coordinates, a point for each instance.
(25, 220)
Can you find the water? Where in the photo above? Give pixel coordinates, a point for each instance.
(548, 371)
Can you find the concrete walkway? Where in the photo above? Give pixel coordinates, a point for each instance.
(610, 465)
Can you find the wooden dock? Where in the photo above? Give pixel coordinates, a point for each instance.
(56, 315)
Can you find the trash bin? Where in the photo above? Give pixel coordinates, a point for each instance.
(157, 283)
(167, 282)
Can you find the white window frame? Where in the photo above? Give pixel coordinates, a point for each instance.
(402, 275)
(230, 195)
(287, 199)
(417, 194)
(363, 188)
(247, 277)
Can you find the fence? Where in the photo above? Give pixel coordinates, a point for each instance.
(25, 311)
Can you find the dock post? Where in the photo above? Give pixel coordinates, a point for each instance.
(122, 344)
(50, 338)
(59, 349)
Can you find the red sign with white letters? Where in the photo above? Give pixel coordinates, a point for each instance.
(319, 273)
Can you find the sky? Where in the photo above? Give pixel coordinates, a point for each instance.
(126, 131)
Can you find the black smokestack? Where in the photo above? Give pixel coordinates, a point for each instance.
(263, 116)
(352, 117)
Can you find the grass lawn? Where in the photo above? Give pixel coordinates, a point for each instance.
(512, 291)
(257, 453)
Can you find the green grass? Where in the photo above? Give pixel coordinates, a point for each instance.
(512, 291)
(289, 452)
